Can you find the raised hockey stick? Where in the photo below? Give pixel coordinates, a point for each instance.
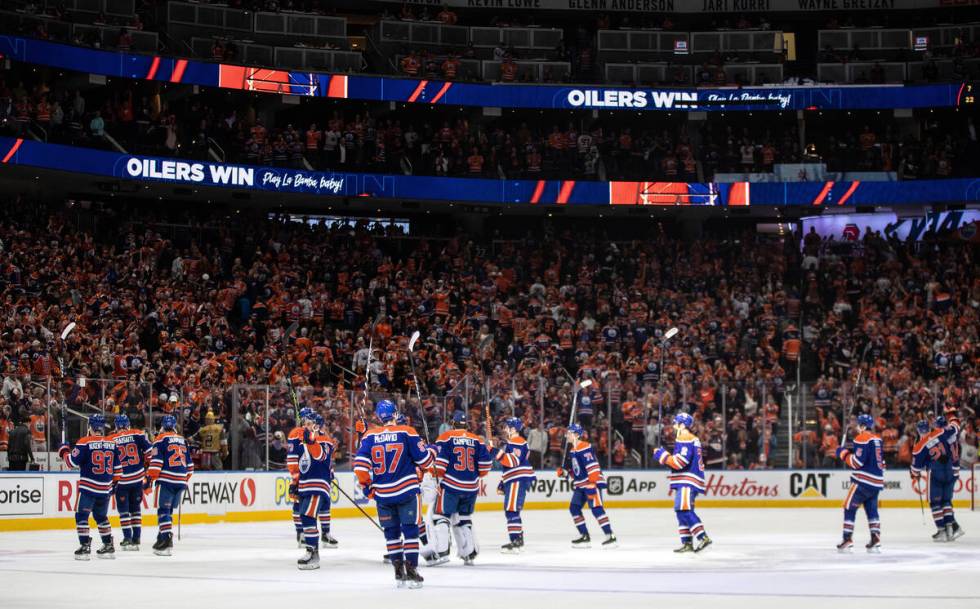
(857, 385)
(289, 376)
(486, 408)
(61, 364)
(571, 418)
(415, 378)
(669, 334)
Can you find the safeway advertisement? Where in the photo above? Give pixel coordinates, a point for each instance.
(41, 499)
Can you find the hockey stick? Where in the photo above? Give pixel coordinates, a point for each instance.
(489, 419)
(61, 364)
(359, 508)
(918, 491)
(418, 393)
(571, 419)
(857, 385)
(669, 334)
(289, 376)
(180, 513)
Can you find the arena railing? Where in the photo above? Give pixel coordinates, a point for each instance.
(285, 57)
(427, 34)
(892, 43)
(253, 421)
(645, 44)
(301, 26)
(633, 73)
(105, 35)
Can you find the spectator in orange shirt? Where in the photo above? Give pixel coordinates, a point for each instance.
(450, 67)
(475, 162)
(446, 16)
(828, 447)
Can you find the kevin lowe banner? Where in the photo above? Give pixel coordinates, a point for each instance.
(684, 6)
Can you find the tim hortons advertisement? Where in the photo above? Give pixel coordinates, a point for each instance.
(47, 500)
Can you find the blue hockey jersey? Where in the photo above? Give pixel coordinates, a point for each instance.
(132, 450)
(512, 456)
(939, 451)
(386, 462)
(95, 458)
(686, 464)
(169, 460)
(584, 466)
(866, 460)
(315, 464)
(461, 460)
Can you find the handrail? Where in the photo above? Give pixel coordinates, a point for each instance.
(217, 156)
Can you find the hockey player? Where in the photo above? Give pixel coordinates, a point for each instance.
(324, 512)
(462, 459)
(95, 457)
(170, 469)
(313, 485)
(938, 451)
(588, 482)
(517, 478)
(686, 482)
(294, 444)
(429, 489)
(385, 466)
(867, 480)
(132, 451)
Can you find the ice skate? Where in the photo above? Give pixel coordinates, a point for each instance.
(940, 536)
(412, 577)
(310, 560)
(582, 542)
(163, 547)
(399, 566)
(954, 531)
(703, 543)
(439, 558)
(468, 560)
(845, 546)
(610, 542)
(107, 551)
(687, 547)
(84, 552)
(329, 542)
(874, 546)
(128, 545)
(510, 548)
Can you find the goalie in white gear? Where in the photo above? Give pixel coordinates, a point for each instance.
(462, 458)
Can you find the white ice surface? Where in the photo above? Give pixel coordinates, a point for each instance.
(761, 558)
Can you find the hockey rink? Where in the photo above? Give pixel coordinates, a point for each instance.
(760, 558)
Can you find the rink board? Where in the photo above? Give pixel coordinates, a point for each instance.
(37, 501)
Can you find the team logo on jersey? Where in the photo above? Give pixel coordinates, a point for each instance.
(246, 492)
(305, 461)
(75, 453)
